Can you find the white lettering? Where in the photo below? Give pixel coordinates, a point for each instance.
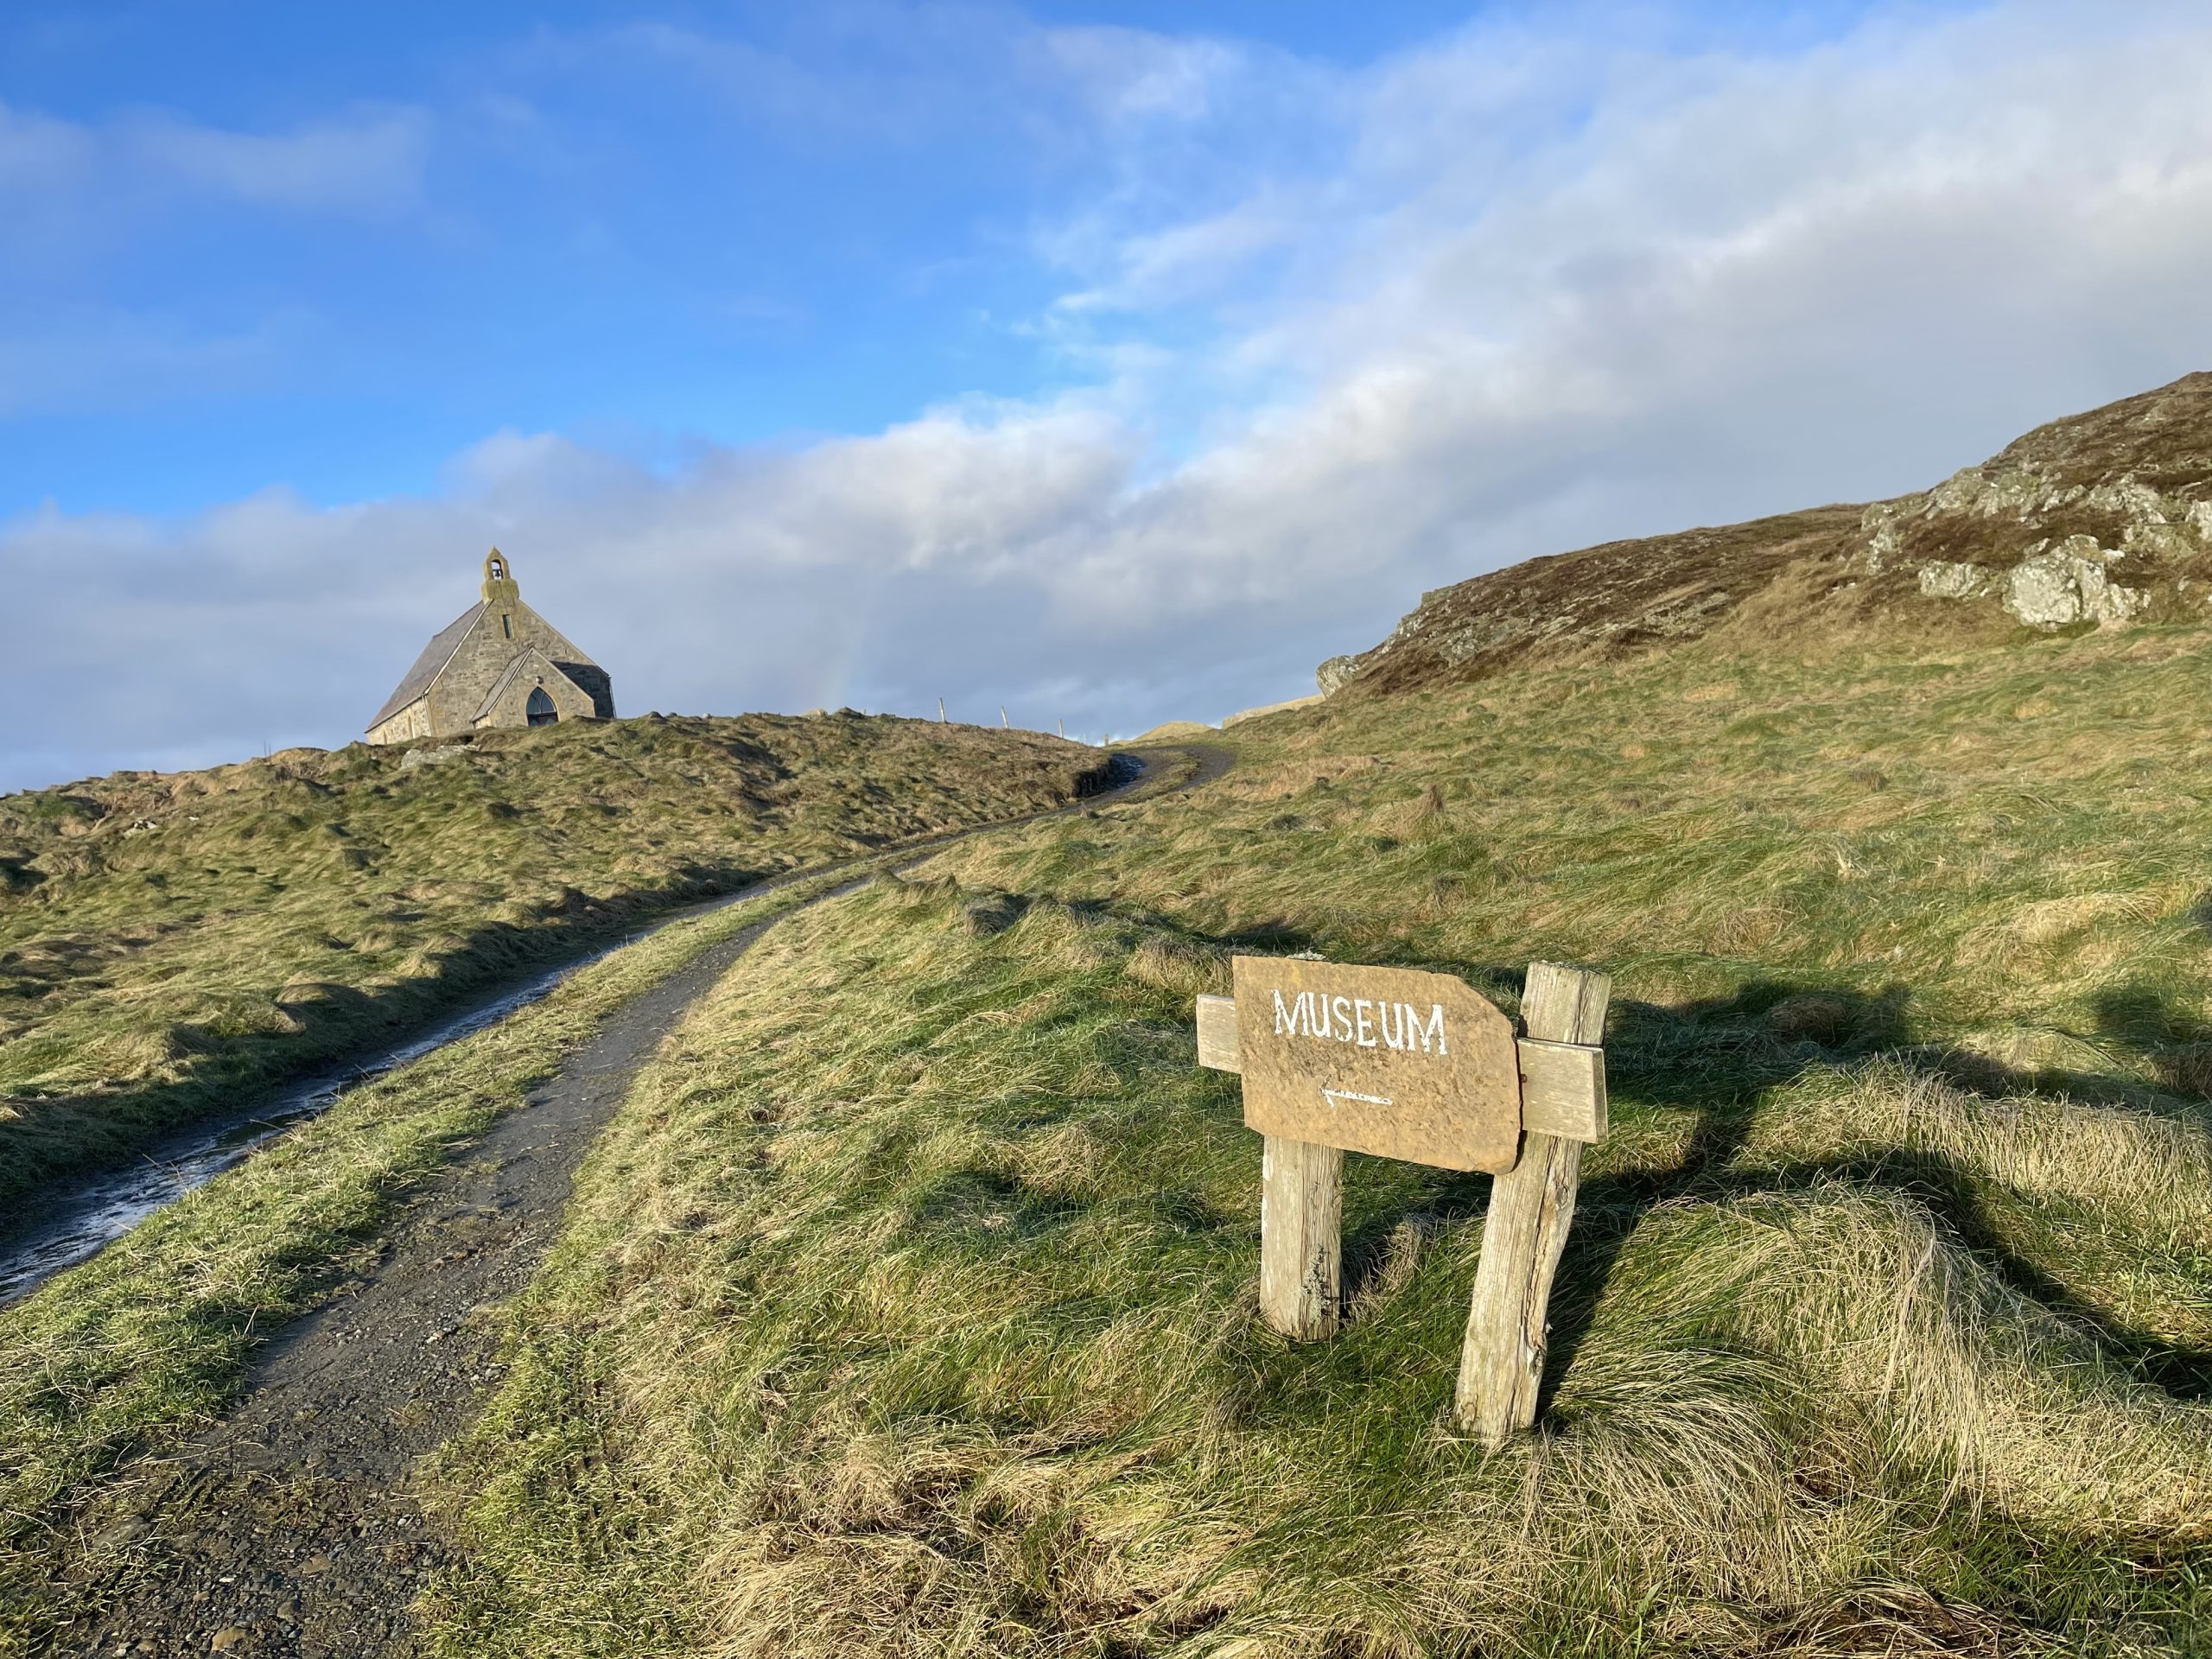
(1364, 1022)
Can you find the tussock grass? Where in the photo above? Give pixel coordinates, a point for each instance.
(118, 1359)
(942, 1342)
(167, 942)
(908, 1309)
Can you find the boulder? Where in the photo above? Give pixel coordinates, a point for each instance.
(2068, 584)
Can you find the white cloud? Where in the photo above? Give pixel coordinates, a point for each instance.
(1127, 74)
(144, 162)
(37, 151)
(367, 162)
(1504, 294)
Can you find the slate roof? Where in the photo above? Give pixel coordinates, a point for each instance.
(436, 656)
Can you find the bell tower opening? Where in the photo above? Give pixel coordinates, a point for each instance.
(540, 708)
(499, 585)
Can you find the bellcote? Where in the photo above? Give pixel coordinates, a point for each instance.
(500, 589)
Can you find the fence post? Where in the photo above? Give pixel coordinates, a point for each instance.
(1531, 1207)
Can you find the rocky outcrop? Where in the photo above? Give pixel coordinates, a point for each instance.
(2068, 584)
(2055, 580)
(2097, 520)
(2051, 588)
(1334, 672)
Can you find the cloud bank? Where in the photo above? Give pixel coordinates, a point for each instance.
(1500, 295)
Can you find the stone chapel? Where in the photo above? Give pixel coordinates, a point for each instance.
(497, 663)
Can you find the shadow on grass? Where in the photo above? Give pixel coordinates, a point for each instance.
(1715, 1063)
(1950, 1191)
(1719, 1059)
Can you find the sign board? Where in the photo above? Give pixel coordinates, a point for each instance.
(1384, 1060)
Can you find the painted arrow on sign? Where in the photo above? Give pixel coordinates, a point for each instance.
(1337, 1096)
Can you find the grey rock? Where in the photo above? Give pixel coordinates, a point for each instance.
(2068, 584)
(1978, 492)
(1879, 524)
(1941, 581)
(1333, 673)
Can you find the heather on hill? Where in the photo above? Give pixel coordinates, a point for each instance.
(2098, 517)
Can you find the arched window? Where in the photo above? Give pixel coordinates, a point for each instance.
(540, 708)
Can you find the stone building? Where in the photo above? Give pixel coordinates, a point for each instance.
(498, 664)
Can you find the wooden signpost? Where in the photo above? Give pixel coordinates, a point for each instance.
(1419, 1067)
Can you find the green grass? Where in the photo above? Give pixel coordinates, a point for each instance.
(908, 1309)
(118, 1360)
(168, 941)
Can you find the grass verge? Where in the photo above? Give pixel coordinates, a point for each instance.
(127, 1355)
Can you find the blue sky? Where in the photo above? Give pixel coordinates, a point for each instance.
(1110, 363)
(744, 224)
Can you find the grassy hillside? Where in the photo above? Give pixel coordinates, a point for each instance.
(167, 941)
(909, 1308)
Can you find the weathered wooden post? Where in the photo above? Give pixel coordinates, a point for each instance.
(1301, 1235)
(1531, 1207)
(1417, 1066)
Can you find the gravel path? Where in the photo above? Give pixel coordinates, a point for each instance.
(289, 1528)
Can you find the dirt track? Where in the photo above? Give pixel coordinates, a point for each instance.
(289, 1528)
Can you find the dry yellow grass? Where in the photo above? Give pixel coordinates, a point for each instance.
(908, 1310)
(943, 1344)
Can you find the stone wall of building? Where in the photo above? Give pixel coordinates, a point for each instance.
(411, 722)
(511, 707)
(503, 630)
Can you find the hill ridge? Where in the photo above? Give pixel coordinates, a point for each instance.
(2100, 518)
